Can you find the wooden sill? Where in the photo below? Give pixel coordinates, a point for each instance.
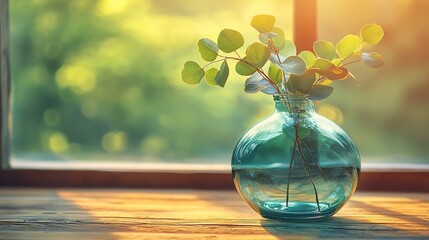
(404, 178)
(194, 214)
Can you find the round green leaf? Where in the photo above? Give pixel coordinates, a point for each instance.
(257, 54)
(208, 49)
(263, 23)
(302, 82)
(324, 49)
(294, 65)
(229, 40)
(192, 73)
(319, 92)
(210, 76)
(371, 33)
(323, 64)
(275, 74)
(275, 40)
(348, 45)
(289, 49)
(373, 60)
(308, 57)
(255, 83)
(223, 74)
(243, 68)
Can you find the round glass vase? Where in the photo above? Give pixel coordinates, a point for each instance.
(295, 164)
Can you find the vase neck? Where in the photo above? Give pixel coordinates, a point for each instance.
(293, 103)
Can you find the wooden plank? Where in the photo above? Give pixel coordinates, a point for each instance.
(190, 214)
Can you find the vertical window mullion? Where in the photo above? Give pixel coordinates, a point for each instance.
(305, 24)
(5, 86)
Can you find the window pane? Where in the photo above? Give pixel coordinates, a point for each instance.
(100, 80)
(388, 114)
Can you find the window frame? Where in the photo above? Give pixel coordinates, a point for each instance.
(305, 32)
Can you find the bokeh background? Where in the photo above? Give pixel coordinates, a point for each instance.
(100, 80)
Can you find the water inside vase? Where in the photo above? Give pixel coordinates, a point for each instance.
(264, 188)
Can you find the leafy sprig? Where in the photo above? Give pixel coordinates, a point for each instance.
(272, 66)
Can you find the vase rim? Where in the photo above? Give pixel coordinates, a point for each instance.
(291, 97)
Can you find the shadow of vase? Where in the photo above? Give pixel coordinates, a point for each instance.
(334, 227)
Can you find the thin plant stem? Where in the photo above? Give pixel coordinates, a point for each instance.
(215, 61)
(261, 72)
(339, 64)
(308, 172)
(312, 158)
(345, 64)
(289, 172)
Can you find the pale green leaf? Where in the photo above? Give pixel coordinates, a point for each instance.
(270, 90)
(257, 54)
(303, 82)
(210, 76)
(265, 37)
(275, 40)
(223, 74)
(323, 64)
(348, 45)
(254, 88)
(275, 74)
(324, 49)
(208, 49)
(289, 49)
(294, 65)
(308, 57)
(373, 60)
(319, 92)
(336, 61)
(229, 40)
(276, 59)
(371, 33)
(263, 23)
(192, 73)
(255, 83)
(243, 68)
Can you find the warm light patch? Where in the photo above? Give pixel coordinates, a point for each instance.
(79, 78)
(332, 112)
(152, 145)
(111, 7)
(114, 141)
(58, 142)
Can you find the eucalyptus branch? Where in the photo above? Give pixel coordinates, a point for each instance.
(237, 54)
(355, 61)
(289, 173)
(312, 158)
(308, 172)
(215, 61)
(260, 71)
(351, 54)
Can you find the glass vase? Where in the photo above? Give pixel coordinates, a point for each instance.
(295, 164)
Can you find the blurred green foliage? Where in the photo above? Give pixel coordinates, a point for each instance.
(101, 79)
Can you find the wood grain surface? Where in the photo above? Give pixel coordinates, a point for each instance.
(191, 214)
